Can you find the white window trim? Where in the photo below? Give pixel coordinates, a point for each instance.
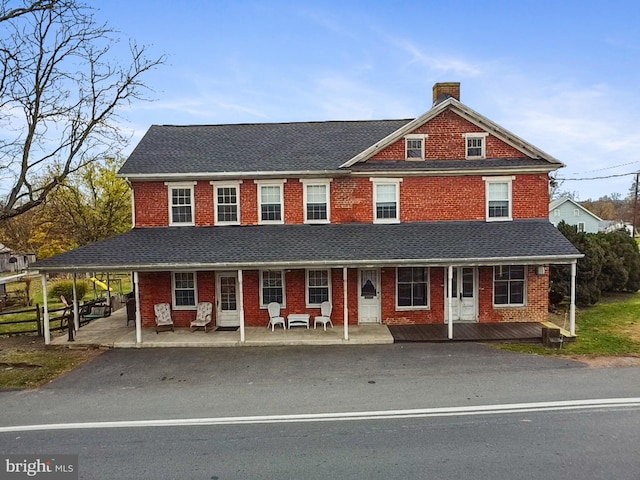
(306, 286)
(556, 212)
(386, 181)
(576, 212)
(284, 289)
(173, 291)
(525, 293)
(584, 226)
(217, 185)
(413, 308)
(415, 136)
(310, 182)
(270, 183)
(192, 187)
(509, 181)
(482, 135)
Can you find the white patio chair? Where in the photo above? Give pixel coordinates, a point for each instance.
(164, 318)
(325, 315)
(274, 316)
(203, 316)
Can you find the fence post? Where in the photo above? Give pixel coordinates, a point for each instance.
(39, 320)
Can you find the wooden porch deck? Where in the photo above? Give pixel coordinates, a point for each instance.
(470, 332)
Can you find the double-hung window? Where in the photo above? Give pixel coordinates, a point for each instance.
(414, 146)
(227, 203)
(498, 196)
(475, 145)
(270, 202)
(272, 287)
(318, 287)
(181, 204)
(412, 288)
(386, 200)
(184, 290)
(509, 285)
(316, 201)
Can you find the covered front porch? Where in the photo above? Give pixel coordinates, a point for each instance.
(113, 332)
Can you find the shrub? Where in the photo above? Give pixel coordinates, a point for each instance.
(65, 287)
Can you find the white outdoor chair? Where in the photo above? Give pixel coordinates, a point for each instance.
(325, 315)
(203, 316)
(274, 316)
(164, 318)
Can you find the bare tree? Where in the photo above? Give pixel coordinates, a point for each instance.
(59, 95)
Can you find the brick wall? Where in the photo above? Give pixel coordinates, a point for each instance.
(446, 141)
(156, 288)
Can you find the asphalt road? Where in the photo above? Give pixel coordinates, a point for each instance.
(168, 384)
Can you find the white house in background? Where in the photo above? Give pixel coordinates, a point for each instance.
(573, 214)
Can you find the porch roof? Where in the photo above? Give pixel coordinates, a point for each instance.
(333, 245)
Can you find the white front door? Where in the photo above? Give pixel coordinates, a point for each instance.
(464, 301)
(227, 313)
(369, 296)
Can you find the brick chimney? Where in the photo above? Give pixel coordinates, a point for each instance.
(444, 90)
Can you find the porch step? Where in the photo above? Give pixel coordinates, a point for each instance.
(565, 333)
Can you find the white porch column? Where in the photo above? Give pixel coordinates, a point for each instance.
(449, 302)
(76, 315)
(241, 295)
(136, 290)
(572, 305)
(345, 314)
(45, 304)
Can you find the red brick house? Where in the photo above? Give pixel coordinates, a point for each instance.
(445, 215)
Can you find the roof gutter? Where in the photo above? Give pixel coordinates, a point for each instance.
(488, 261)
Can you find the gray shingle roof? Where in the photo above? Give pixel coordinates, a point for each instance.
(452, 165)
(283, 147)
(434, 243)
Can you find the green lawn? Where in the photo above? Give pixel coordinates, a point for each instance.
(612, 327)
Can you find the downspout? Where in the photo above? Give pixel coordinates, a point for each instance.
(45, 305)
(572, 305)
(345, 313)
(136, 289)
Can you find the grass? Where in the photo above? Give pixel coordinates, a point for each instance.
(30, 369)
(612, 327)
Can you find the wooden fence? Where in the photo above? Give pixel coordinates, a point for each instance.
(59, 319)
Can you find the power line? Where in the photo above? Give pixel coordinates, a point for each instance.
(595, 178)
(607, 168)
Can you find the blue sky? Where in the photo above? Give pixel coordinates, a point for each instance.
(563, 75)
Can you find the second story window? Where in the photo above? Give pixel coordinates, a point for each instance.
(414, 147)
(498, 195)
(475, 145)
(270, 202)
(316, 201)
(227, 203)
(181, 204)
(386, 200)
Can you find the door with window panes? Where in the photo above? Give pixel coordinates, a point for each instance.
(369, 296)
(227, 303)
(464, 299)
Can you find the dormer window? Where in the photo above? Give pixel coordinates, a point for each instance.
(414, 147)
(475, 145)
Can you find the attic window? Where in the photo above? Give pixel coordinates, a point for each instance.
(414, 147)
(475, 145)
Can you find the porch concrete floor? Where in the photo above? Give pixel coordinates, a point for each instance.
(113, 332)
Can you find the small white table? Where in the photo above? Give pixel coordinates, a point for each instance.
(298, 319)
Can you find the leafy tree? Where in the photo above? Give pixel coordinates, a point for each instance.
(611, 263)
(59, 94)
(93, 204)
